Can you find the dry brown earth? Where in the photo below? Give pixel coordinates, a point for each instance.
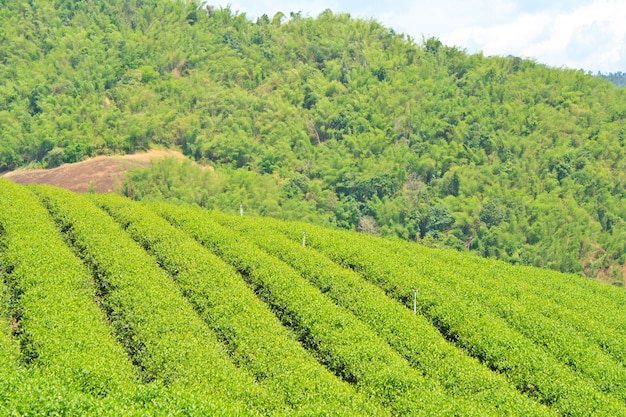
(103, 173)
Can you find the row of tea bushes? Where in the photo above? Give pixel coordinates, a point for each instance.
(339, 340)
(163, 334)
(464, 320)
(254, 336)
(412, 335)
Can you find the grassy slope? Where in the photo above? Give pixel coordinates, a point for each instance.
(326, 307)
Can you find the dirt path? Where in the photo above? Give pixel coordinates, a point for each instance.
(104, 173)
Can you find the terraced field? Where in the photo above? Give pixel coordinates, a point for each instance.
(111, 307)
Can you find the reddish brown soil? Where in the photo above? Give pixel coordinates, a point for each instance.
(103, 173)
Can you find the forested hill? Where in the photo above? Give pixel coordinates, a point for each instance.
(328, 119)
(617, 78)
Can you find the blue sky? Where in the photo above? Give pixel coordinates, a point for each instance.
(579, 34)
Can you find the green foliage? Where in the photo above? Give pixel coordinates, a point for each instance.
(617, 78)
(338, 339)
(254, 336)
(357, 110)
(463, 378)
(91, 299)
(493, 213)
(60, 329)
(161, 332)
(449, 298)
(58, 354)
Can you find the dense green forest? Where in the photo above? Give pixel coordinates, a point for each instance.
(329, 119)
(617, 78)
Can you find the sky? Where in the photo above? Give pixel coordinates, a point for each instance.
(577, 34)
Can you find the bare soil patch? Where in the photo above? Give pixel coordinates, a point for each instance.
(103, 173)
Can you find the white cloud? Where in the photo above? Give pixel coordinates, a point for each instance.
(438, 18)
(590, 37)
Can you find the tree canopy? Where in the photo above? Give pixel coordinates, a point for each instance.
(330, 119)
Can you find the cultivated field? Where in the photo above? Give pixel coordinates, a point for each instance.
(112, 307)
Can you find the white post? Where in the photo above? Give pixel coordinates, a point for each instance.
(241, 209)
(414, 301)
(303, 239)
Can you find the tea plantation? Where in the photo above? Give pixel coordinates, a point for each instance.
(113, 307)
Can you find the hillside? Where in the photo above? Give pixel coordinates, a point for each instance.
(101, 174)
(617, 78)
(333, 120)
(168, 310)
